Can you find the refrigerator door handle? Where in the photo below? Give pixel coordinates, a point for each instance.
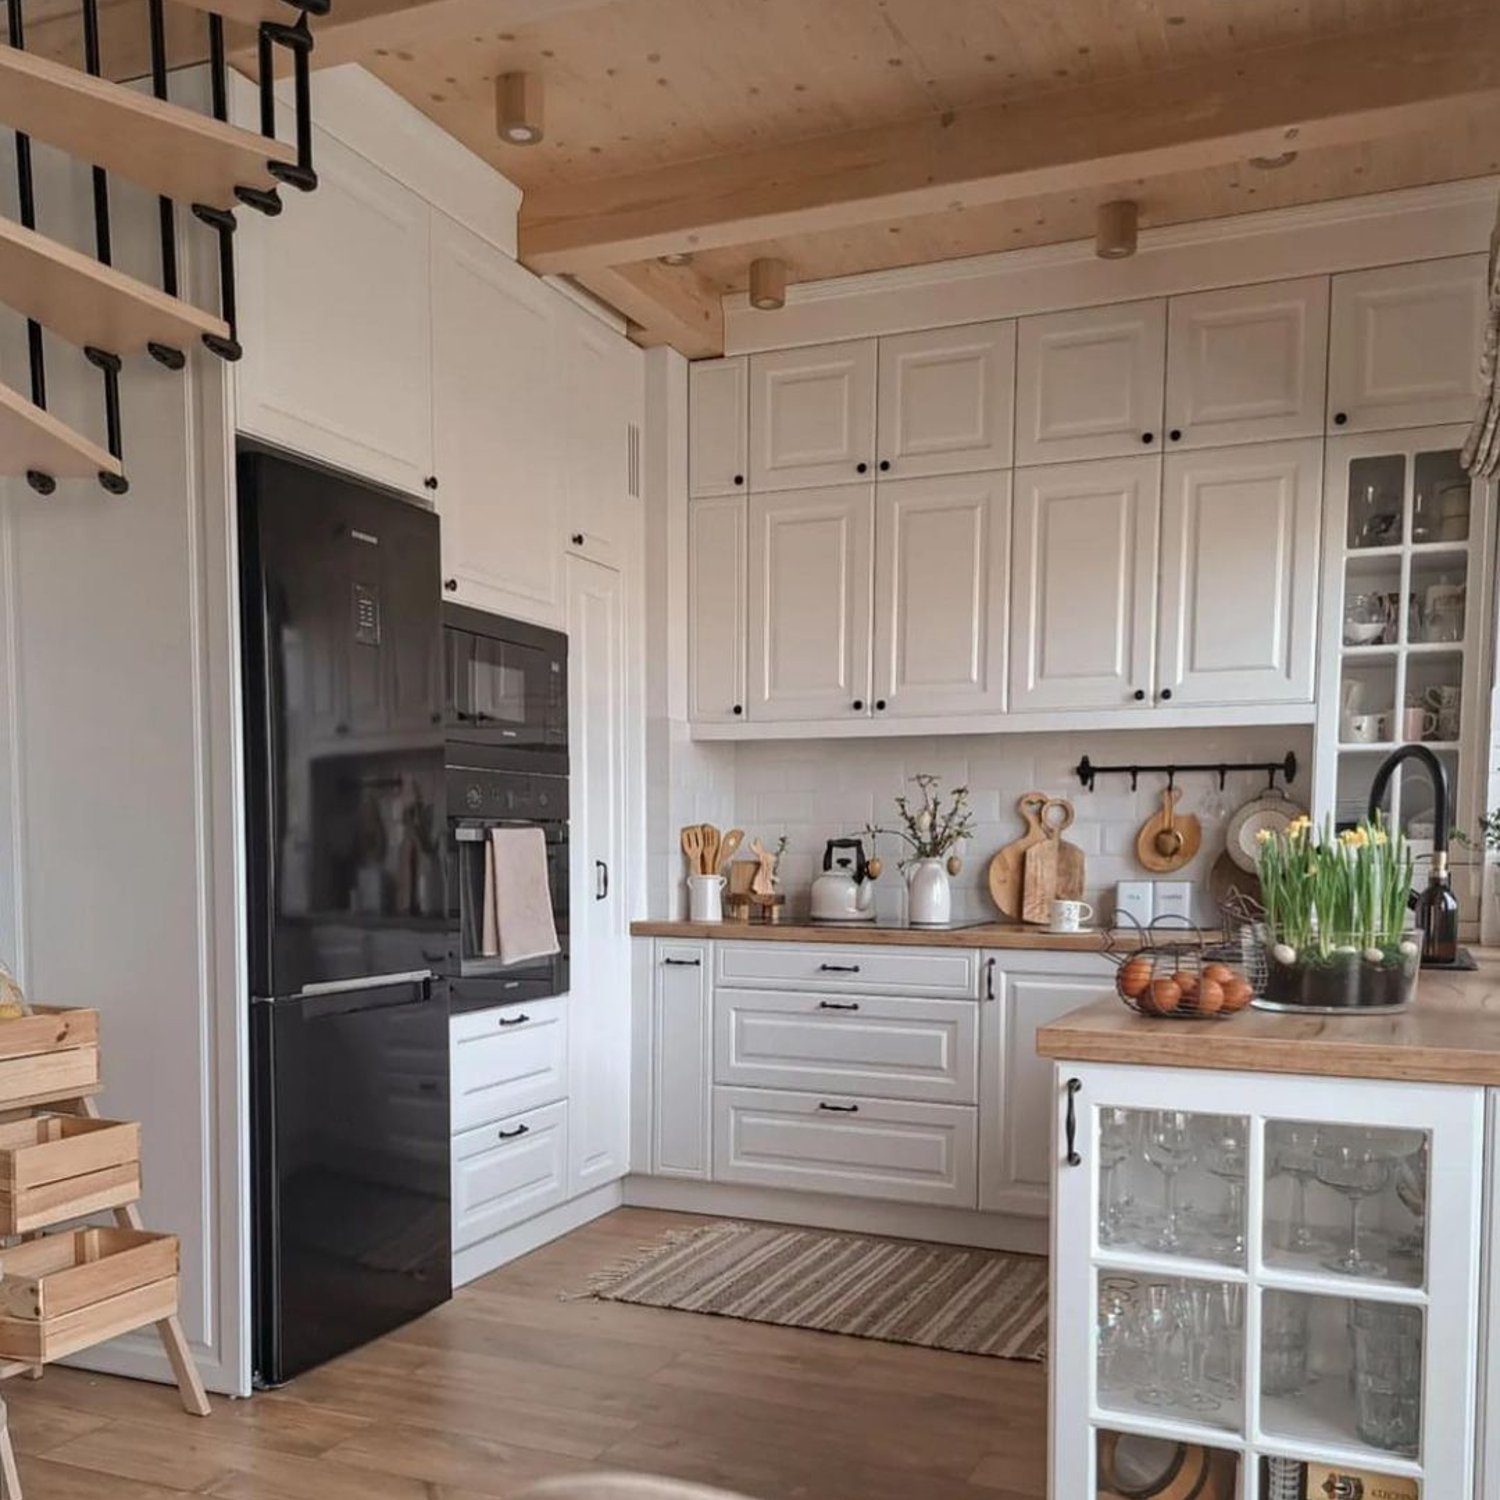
(367, 982)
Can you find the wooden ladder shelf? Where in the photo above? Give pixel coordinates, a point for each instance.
(63, 1290)
(34, 441)
(86, 302)
(177, 152)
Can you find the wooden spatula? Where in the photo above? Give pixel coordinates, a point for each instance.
(711, 842)
(692, 847)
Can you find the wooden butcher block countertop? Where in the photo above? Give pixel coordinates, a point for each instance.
(989, 935)
(1451, 1034)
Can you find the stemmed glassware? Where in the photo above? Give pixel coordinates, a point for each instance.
(1168, 1147)
(1226, 1372)
(1194, 1307)
(1294, 1155)
(1117, 1137)
(1156, 1327)
(1353, 1162)
(1224, 1153)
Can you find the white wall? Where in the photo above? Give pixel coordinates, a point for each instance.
(118, 818)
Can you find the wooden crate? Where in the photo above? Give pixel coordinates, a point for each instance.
(51, 1054)
(58, 1167)
(66, 1292)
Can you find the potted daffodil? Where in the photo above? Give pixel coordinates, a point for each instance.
(1336, 906)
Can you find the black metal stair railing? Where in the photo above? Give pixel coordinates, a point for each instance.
(297, 39)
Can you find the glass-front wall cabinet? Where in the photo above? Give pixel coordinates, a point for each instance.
(1262, 1279)
(1405, 597)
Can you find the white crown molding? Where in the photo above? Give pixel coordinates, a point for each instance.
(1423, 223)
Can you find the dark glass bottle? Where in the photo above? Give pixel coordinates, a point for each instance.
(1437, 915)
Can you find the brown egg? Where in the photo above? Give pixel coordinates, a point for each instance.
(1220, 972)
(1210, 998)
(1135, 977)
(1166, 995)
(1237, 994)
(1187, 981)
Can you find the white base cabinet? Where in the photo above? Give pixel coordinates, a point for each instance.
(509, 1171)
(1371, 1370)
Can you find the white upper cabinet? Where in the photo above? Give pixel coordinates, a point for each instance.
(1089, 384)
(309, 318)
(718, 425)
(812, 416)
(1247, 364)
(947, 399)
(601, 384)
(1239, 564)
(1083, 585)
(810, 603)
(940, 569)
(717, 574)
(495, 417)
(1406, 345)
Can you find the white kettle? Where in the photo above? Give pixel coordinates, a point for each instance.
(842, 893)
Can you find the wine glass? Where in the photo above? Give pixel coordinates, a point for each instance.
(1353, 1163)
(1295, 1155)
(1224, 1153)
(1117, 1136)
(1168, 1147)
(1156, 1327)
(1411, 1189)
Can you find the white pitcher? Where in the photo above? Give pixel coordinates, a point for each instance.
(706, 898)
(929, 893)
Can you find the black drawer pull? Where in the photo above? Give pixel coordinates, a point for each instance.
(510, 1135)
(838, 1004)
(839, 968)
(513, 1020)
(989, 979)
(683, 963)
(840, 1109)
(1073, 1158)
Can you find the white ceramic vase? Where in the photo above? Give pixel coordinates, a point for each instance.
(929, 893)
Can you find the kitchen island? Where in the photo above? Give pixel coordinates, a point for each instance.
(1271, 1241)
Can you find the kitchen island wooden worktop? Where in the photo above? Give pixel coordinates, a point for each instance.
(1451, 1034)
(1000, 935)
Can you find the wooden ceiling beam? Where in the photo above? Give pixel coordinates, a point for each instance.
(1398, 81)
(664, 304)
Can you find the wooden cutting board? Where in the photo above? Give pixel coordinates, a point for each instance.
(1070, 866)
(1039, 880)
(1007, 868)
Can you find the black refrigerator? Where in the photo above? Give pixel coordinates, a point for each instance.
(342, 643)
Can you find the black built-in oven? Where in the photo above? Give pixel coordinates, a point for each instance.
(506, 728)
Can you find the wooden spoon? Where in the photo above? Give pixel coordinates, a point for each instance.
(730, 847)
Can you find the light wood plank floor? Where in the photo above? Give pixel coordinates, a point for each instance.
(508, 1383)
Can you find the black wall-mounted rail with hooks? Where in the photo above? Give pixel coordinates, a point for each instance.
(295, 38)
(1087, 772)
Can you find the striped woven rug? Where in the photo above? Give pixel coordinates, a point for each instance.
(902, 1291)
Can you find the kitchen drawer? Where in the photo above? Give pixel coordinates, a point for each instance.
(858, 1147)
(508, 1060)
(509, 1171)
(846, 969)
(892, 1047)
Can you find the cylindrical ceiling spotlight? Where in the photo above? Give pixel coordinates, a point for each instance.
(767, 283)
(1116, 228)
(518, 108)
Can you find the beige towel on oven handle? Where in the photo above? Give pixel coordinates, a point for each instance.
(518, 904)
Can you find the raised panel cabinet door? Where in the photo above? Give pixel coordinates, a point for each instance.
(810, 603)
(681, 1061)
(940, 583)
(1247, 364)
(496, 411)
(338, 344)
(1015, 1103)
(1405, 345)
(1083, 585)
(599, 1037)
(718, 425)
(509, 1171)
(812, 415)
(1239, 574)
(1090, 383)
(947, 400)
(717, 574)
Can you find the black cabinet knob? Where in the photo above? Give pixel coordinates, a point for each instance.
(739, 708)
(861, 468)
(1175, 434)
(430, 482)
(880, 704)
(1166, 694)
(1148, 437)
(859, 705)
(739, 478)
(1139, 695)
(1340, 418)
(578, 539)
(451, 584)
(885, 466)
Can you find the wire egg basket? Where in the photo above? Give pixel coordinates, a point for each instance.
(1170, 976)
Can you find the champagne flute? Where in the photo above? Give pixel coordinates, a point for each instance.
(1194, 1302)
(1156, 1327)
(1169, 1148)
(1117, 1131)
(1352, 1163)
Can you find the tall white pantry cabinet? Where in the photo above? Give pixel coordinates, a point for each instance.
(1123, 513)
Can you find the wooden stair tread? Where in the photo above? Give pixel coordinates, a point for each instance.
(88, 303)
(248, 12)
(31, 438)
(190, 157)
